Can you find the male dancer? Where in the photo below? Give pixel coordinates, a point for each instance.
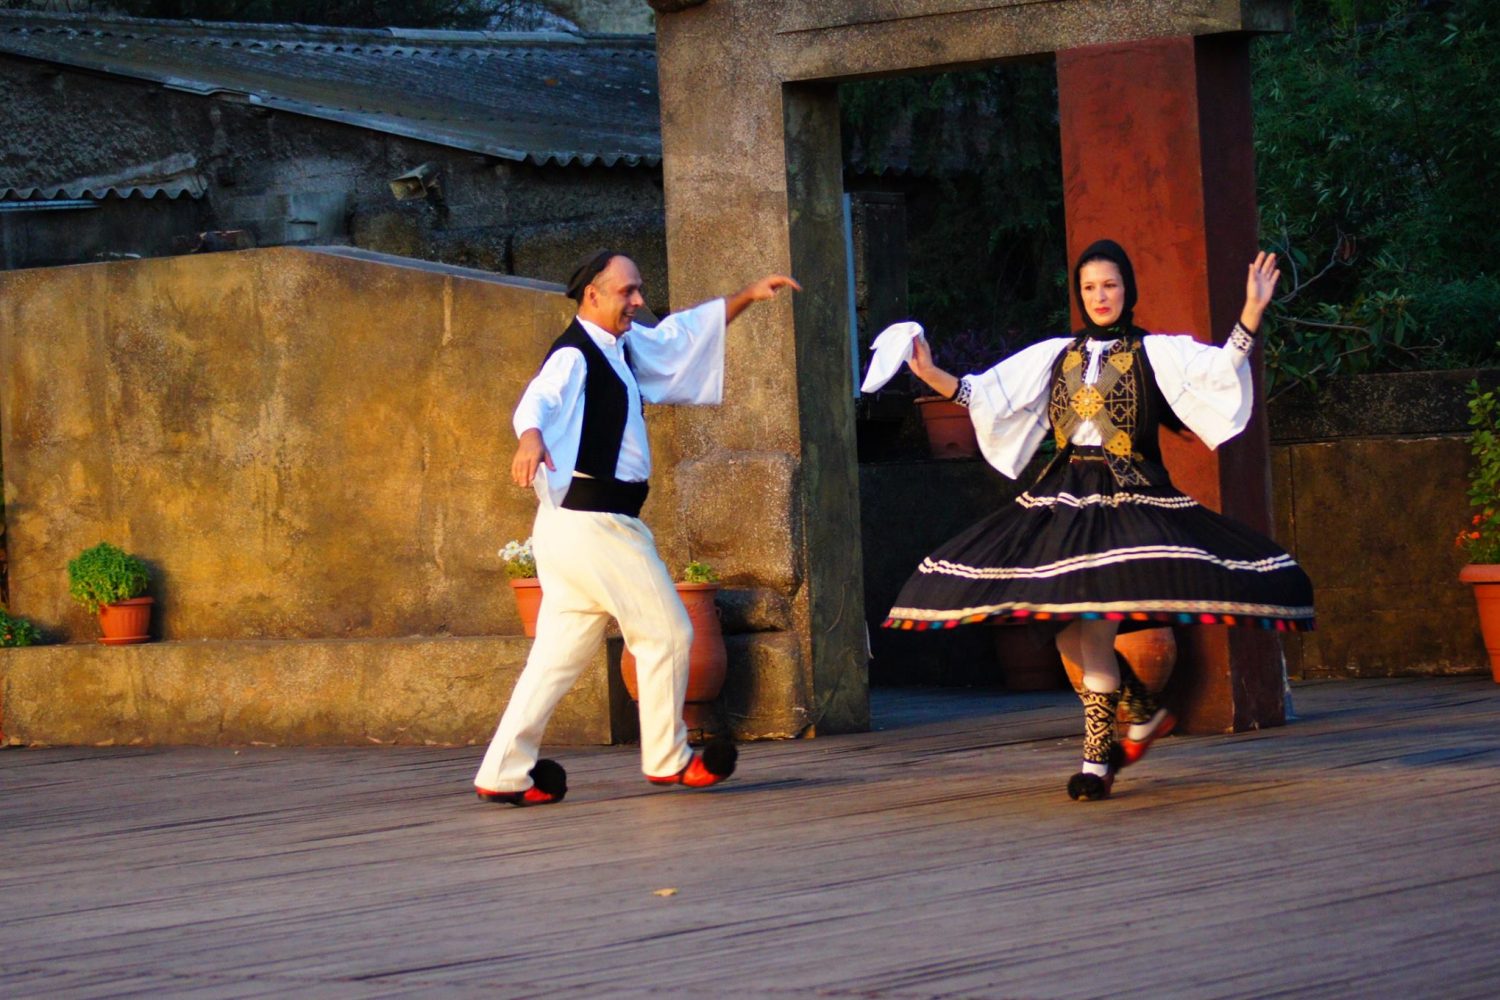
(581, 418)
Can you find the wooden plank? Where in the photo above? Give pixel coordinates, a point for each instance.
(936, 856)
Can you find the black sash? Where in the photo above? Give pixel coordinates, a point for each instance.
(606, 496)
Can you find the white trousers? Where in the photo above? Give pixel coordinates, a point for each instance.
(593, 567)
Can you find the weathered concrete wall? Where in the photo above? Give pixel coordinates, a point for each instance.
(307, 692)
(302, 444)
(1370, 484)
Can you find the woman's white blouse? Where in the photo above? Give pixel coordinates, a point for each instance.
(1208, 387)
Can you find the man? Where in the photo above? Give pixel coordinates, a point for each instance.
(583, 447)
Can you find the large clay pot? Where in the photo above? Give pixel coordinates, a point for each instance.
(1025, 664)
(528, 591)
(1151, 653)
(125, 623)
(1485, 579)
(950, 432)
(707, 658)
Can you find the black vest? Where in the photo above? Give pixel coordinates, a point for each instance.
(606, 404)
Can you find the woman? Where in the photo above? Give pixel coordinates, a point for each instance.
(1103, 541)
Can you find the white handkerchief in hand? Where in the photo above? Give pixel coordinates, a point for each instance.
(892, 349)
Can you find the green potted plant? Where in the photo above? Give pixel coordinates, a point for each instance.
(16, 631)
(112, 583)
(520, 571)
(707, 657)
(1480, 540)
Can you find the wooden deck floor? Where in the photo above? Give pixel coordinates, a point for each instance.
(1347, 854)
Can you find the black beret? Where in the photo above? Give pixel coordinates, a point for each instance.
(587, 270)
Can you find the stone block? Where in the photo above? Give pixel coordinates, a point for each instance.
(766, 687)
(307, 692)
(742, 515)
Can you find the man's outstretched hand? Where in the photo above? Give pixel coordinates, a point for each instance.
(759, 291)
(530, 454)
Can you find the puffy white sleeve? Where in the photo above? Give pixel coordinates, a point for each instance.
(1209, 387)
(681, 359)
(553, 404)
(1008, 405)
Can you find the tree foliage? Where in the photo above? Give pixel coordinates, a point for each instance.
(1377, 128)
(1376, 135)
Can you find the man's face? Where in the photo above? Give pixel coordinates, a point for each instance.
(613, 297)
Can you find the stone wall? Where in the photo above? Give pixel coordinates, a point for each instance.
(287, 178)
(1370, 481)
(302, 444)
(311, 450)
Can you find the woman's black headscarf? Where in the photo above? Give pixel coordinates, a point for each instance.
(1114, 253)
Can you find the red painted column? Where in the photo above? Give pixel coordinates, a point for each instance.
(1156, 155)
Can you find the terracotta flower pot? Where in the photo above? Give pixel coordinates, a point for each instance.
(707, 658)
(125, 623)
(950, 432)
(1485, 579)
(528, 593)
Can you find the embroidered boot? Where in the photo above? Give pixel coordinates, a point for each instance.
(1148, 720)
(1097, 776)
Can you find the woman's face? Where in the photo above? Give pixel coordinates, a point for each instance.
(1102, 291)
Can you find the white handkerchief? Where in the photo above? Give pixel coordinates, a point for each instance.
(892, 349)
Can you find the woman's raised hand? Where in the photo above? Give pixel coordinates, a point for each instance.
(1259, 287)
(923, 368)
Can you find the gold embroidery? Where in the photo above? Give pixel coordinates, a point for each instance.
(1119, 445)
(1087, 402)
(1121, 360)
(1071, 360)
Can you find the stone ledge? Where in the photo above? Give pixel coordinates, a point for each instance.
(1397, 404)
(424, 691)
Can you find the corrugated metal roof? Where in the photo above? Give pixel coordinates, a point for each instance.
(547, 97)
(173, 177)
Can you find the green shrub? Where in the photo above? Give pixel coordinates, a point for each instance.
(105, 574)
(699, 572)
(16, 631)
(1481, 539)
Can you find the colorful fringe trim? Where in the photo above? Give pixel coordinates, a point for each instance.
(1164, 617)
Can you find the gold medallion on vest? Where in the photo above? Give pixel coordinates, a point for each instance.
(1111, 404)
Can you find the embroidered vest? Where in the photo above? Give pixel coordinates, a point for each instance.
(1124, 405)
(606, 404)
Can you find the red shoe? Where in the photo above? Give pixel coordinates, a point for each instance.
(713, 765)
(1161, 724)
(549, 785)
(533, 796)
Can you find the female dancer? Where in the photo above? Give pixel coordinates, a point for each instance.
(1103, 541)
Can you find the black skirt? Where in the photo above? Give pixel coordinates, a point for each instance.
(1077, 545)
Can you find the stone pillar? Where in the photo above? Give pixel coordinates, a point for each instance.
(1156, 150)
(766, 484)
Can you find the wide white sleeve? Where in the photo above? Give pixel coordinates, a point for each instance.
(681, 359)
(1008, 405)
(1210, 388)
(553, 404)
